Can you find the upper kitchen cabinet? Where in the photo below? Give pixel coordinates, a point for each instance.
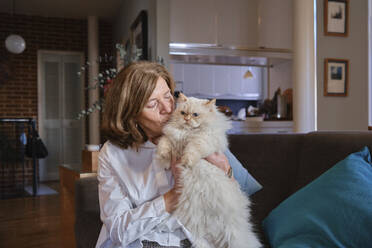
(217, 22)
(275, 24)
(193, 21)
(237, 23)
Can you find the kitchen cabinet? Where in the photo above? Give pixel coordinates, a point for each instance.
(238, 23)
(218, 22)
(193, 21)
(275, 24)
(217, 81)
(221, 81)
(191, 80)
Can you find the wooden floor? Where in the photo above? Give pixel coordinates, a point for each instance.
(34, 222)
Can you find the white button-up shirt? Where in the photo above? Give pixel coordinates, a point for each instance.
(131, 189)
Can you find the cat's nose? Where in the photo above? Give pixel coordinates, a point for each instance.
(187, 117)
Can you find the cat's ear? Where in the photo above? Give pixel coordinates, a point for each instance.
(211, 102)
(182, 98)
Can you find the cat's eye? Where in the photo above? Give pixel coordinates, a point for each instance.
(195, 114)
(183, 113)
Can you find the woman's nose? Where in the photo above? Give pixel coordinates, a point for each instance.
(166, 107)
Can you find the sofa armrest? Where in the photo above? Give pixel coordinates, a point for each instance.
(87, 213)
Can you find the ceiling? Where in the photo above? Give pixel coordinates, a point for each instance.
(77, 9)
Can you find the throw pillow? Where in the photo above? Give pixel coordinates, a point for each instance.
(247, 183)
(335, 210)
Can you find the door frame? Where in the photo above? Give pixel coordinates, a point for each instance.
(40, 92)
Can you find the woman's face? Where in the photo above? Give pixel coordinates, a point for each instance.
(157, 110)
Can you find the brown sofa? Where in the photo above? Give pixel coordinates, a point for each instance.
(282, 163)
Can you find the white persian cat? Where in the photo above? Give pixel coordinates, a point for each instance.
(211, 205)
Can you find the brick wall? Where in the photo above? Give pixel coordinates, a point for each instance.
(18, 93)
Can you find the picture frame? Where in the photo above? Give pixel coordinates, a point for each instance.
(336, 77)
(139, 34)
(336, 17)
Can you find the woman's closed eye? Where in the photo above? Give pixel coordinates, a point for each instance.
(168, 96)
(152, 104)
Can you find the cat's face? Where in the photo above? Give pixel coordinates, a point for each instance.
(192, 112)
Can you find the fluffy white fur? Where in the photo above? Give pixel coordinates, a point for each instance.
(211, 205)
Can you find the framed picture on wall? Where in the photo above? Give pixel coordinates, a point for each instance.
(336, 15)
(336, 73)
(139, 31)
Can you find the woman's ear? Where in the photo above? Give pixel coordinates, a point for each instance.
(182, 98)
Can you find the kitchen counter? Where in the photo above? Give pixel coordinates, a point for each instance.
(255, 125)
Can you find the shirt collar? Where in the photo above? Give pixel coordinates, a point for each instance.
(148, 144)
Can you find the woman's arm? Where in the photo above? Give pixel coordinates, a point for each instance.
(247, 182)
(125, 223)
(220, 160)
(171, 197)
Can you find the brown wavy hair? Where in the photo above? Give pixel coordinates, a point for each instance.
(125, 100)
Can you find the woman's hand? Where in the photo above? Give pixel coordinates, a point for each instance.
(220, 160)
(171, 197)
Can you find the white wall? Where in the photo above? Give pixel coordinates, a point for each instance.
(350, 112)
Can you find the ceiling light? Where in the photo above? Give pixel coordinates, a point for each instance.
(14, 43)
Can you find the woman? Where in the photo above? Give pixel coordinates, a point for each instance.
(137, 196)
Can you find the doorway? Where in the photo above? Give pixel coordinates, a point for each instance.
(60, 99)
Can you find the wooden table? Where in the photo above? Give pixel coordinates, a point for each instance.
(68, 174)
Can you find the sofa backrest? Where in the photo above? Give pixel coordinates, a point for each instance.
(321, 150)
(272, 160)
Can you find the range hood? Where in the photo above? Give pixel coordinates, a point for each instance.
(227, 55)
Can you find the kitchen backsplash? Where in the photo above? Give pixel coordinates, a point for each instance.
(236, 105)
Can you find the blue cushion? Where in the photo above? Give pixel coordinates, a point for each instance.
(247, 183)
(335, 210)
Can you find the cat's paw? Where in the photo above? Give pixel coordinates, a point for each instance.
(188, 160)
(163, 159)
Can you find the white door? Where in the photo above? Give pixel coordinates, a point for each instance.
(61, 98)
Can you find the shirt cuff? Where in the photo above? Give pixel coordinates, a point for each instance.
(159, 206)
